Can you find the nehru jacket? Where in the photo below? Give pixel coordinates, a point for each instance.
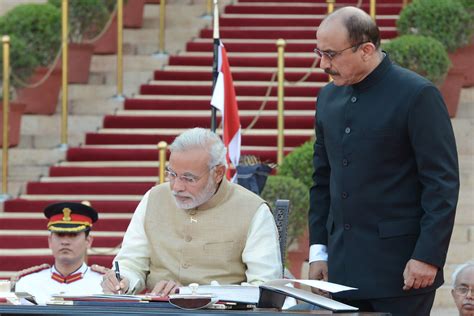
(386, 180)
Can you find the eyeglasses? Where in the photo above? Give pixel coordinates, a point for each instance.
(331, 54)
(188, 179)
(463, 290)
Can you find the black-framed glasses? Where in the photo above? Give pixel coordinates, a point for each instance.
(331, 54)
(463, 290)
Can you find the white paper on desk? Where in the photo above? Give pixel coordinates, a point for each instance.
(233, 293)
(322, 285)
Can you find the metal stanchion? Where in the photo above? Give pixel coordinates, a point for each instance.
(330, 5)
(208, 13)
(119, 96)
(64, 92)
(161, 41)
(6, 105)
(162, 161)
(330, 10)
(372, 9)
(281, 94)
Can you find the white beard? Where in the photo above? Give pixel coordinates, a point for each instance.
(200, 198)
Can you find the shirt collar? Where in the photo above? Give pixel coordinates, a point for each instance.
(375, 76)
(74, 276)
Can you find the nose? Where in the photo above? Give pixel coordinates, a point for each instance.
(177, 185)
(324, 62)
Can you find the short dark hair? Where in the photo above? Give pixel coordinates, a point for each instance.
(362, 29)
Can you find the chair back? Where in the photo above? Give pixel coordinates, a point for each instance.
(280, 213)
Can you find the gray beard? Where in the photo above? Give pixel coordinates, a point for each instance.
(201, 198)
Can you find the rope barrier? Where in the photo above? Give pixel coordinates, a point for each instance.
(104, 29)
(51, 68)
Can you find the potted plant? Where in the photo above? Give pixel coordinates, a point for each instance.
(450, 23)
(425, 56)
(468, 51)
(86, 20)
(37, 25)
(285, 187)
(22, 65)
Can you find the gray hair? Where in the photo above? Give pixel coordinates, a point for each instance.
(460, 268)
(359, 25)
(203, 139)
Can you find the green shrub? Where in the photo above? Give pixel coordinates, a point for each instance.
(424, 55)
(446, 20)
(282, 187)
(299, 164)
(22, 63)
(38, 26)
(87, 18)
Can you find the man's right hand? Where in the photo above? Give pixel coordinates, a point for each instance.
(110, 284)
(318, 270)
(165, 288)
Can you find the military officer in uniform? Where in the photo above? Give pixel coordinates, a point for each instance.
(69, 224)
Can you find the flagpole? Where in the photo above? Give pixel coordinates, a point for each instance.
(215, 70)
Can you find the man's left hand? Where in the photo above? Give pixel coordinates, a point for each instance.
(418, 274)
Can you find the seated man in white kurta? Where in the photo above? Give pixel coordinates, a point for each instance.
(198, 227)
(70, 224)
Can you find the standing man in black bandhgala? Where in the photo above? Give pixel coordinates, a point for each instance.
(386, 176)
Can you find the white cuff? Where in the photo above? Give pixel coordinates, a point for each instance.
(318, 252)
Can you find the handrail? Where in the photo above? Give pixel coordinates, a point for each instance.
(162, 146)
(6, 106)
(281, 94)
(64, 92)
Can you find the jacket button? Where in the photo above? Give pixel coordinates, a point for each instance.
(344, 195)
(188, 238)
(185, 265)
(345, 162)
(347, 226)
(347, 130)
(354, 99)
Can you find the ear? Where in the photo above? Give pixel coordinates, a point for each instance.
(219, 173)
(50, 239)
(89, 239)
(452, 293)
(368, 50)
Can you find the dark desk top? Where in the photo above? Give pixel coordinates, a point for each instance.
(122, 310)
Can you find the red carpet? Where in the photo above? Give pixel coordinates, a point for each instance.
(144, 104)
(16, 263)
(16, 242)
(284, 22)
(238, 76)
(242, 8)
(304, 62)
(249, 140)
(109, 224)
(291, 122)
(133, 188)
(22, 205)
(275, 34)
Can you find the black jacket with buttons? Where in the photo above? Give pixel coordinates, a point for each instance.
(386, 180)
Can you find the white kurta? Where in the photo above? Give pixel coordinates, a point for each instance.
(261, 253)
(42, 286)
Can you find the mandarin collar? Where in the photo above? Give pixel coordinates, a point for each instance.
(82, 269)
(375, 76)
(217, 198)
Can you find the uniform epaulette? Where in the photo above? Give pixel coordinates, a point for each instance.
(99, 269)
(29, 270)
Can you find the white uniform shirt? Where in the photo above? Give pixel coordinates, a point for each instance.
(42, 286)
(261, 251)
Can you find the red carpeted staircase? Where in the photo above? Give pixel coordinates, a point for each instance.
(118, 163)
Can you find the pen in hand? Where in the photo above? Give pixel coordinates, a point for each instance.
(117, 274)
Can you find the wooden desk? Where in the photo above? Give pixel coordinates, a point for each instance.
(114, 310)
